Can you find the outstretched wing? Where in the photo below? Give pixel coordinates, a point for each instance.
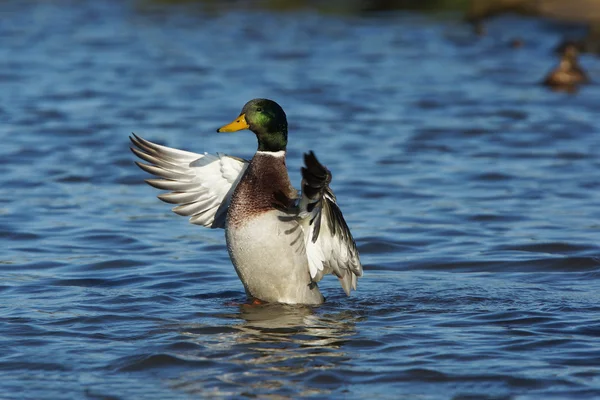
(201, 184)
(329, 243)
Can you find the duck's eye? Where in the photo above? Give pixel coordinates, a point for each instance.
(259, 109)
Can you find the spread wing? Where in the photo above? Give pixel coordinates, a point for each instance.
(201, 184)
(329, 244)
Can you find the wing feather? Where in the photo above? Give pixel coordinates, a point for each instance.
(180, 197)
(165, 173)
(330, 246)
(201, 184)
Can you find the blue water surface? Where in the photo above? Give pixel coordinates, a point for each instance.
(473, 194)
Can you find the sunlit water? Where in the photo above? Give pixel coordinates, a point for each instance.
(472, 192)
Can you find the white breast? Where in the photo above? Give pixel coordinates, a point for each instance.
(270, 259)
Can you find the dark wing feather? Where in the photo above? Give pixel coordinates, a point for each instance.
(329, 244)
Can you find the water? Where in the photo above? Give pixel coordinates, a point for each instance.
(472, 192)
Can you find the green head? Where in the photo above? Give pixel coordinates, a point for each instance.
(266, 119)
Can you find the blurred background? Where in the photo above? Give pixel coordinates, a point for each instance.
(463, 138)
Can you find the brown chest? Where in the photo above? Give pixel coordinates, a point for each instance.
(265, 186)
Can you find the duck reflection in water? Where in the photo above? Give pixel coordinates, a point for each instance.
(271, 343)
(299, 324)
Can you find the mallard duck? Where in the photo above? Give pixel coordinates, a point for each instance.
(568, 72)
(280, 243)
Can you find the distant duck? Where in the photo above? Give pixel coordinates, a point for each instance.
(568, 73)
(281, 243)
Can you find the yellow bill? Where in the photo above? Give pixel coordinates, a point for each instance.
(237, 125)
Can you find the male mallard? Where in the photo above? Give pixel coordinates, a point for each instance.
(281, 244)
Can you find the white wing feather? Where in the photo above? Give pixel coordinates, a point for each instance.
(202, 184)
